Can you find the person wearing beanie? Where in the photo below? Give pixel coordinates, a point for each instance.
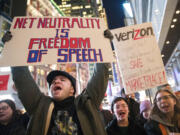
(145, 109)
(165, 114)
(11, 121)
(63, 113)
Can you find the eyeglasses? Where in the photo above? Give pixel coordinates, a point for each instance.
(164, 98)
(4, 108)
(121, 106)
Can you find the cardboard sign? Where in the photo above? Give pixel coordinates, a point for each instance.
(139, 57)
(51, 40)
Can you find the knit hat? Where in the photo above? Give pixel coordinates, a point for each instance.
(10, 103)
(145, 105)
(55, 73)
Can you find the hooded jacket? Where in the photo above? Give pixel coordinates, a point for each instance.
(40, 107)
(160, 125)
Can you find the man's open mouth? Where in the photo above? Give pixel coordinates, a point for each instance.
(57, 88)
(1, 115)
(165, 106)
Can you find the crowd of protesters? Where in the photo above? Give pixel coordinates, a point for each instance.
(160, 118)
(65, 114)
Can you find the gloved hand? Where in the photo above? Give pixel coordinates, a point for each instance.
(108, 34)
(6, 37)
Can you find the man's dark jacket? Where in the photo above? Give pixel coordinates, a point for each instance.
(40, 107)
(133, 128)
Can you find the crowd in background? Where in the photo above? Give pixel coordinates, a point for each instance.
(65, 114)
(162, 117)
(126, 117)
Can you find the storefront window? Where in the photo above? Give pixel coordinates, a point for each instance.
(4, 25)
(176, 72)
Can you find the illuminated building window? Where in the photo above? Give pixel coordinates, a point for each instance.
(76, 7)
(88, 6)
(38, 71)
(31, 68)
(42, 72)
(84, 13)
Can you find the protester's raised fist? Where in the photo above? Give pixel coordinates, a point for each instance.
(7, 36)
(108, 34)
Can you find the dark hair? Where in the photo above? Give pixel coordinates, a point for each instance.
(163, 86)
(116, 100)
(10, 103)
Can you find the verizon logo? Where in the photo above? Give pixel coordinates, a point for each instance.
(134, 34)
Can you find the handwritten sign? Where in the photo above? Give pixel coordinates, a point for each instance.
(52, 40)
(139, 57)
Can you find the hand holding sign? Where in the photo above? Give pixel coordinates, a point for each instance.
(6, 37)
(108, 34)
(138, 57)
(51, 40)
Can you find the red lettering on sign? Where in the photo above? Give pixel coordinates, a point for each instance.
(4, 82)
(146, 81)
(136, 63)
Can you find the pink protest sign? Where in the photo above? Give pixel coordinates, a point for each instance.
(139, 57)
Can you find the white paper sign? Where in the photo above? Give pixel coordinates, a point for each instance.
(51, 40)
(139, 57)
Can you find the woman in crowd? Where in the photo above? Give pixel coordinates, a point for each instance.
(145, 109)
(165, 114)
(121, 124)
(12, 122)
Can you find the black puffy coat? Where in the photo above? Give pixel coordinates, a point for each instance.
(17, 126)
(140, 120)
(133, 128)
(134, 110)
(152, 127)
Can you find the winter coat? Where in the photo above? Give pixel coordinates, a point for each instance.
(133, 128)
(160, 126)
(40, 107)
(106, 116)
(134, 110)
(140, 120)
(17, 126)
